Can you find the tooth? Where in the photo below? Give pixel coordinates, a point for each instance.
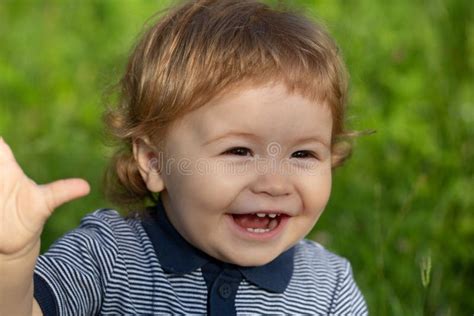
(258, 230)
(272, 215)
(261, 214)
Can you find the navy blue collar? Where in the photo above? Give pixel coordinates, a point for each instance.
(177, 256)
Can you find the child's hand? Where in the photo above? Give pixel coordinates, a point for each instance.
(25, 206)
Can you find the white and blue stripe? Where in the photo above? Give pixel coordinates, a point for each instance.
(109, 265)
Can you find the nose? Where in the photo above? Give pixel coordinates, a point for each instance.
(273, 184)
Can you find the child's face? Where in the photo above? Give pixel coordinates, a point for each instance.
(208, 192)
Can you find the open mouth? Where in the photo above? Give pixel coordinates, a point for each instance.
(258, 223)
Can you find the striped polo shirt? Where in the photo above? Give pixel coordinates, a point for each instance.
(130, 266)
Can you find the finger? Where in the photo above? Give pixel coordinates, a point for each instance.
(6, 153)
(62, 191)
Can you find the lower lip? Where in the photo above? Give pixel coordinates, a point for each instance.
(258, 236)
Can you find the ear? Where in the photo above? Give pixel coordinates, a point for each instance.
(149, 164)
(340, 152)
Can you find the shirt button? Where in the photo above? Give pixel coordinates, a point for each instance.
(225, 290)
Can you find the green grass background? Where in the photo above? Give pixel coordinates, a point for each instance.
(404, 198)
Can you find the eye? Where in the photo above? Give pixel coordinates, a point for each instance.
(305, 154)
(239, 151)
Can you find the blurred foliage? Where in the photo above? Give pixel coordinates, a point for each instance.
(405, 197)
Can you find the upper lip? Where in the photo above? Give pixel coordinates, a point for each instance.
(267, 211)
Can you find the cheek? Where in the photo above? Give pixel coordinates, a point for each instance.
(316, 191)
(220, 191)
(220, 178)
(204, 183)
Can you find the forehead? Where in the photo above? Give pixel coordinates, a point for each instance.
(268, 111)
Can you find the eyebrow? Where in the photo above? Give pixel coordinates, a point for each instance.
(241, 134)
(256, 138)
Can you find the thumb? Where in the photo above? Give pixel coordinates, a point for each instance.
(61, 191)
